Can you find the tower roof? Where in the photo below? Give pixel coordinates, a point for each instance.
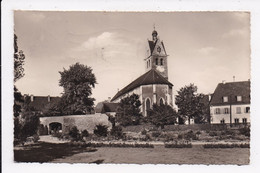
(150, 77)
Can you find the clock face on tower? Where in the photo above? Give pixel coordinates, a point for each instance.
(159, 49)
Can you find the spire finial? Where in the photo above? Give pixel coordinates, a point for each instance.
(154, 27)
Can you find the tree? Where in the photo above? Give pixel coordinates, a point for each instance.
(162, 115)
(19, 58)
(189, 103)
(26, 125)
(77, 82)
(128, 111)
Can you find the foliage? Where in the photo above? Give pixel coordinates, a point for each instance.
(245, 131)
(190, 135)
(43, 130)
(190, 104)
(128, 111)
(77, 83)
(162, 115)
(101, 130)
(117, 131)
(226, 145)
(27, 124)
(84, 133)
(19, 58)
(74, 133)
(144, 132)
(156, 134)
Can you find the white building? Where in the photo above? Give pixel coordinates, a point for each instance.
(230, 103)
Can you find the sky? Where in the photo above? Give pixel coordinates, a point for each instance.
(204, 48)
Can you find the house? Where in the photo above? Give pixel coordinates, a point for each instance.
(153, 86)
(106, 108)
(230, 103)
(41, 103)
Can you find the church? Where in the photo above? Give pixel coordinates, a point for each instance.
(153, 86)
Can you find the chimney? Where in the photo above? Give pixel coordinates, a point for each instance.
(223, 81)
(49, 98)
(234, 78)
(31, 98)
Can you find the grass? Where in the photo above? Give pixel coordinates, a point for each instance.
(161, 155)
(46, 152)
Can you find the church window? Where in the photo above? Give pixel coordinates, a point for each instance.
(161, 61)
(161, 101)
(147, 105)
(147, 64)
(156, 61)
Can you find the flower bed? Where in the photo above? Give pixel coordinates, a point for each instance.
(226, 146)
(180, 144)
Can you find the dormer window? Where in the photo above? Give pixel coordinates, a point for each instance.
(239, 98)
(225, 99)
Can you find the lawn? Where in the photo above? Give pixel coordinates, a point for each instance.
(46, 152)
(65, 153)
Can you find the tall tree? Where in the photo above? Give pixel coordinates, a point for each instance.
(189, 103)
(162, 115)
(19, 58)
(77, 82)
(128, 111)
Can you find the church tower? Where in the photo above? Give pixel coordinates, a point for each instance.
(156, 56)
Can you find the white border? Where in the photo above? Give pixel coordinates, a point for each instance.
(128, 5)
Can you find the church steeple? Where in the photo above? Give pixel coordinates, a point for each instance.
(157, 57)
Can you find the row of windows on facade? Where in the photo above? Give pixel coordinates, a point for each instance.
(156, 62)
(227, 110)
(238, 99)
(236, 121)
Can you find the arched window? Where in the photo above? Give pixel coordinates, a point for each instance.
(161, 61)
(161, 101)
(156, 61)
(147, 64)
(147, 105)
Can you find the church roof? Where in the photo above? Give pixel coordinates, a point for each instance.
(150, 77)
(231, 90)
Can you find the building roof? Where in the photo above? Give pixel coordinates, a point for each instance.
(150, 77)
(39, 102)
(104, 107)
(231, 90)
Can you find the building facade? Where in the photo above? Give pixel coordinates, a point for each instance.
(152, 87)
(230, 103)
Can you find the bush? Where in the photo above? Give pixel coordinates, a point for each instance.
(226, 146)
(117, 132)
(35, 137)
(84, 133)
(190, 135)
(156, 134)
(213, 133)
(101, 130)
(245, 131)
(74, 133)
(183, 144)
(143, 132)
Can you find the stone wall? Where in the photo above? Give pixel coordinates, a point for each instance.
(82, 122)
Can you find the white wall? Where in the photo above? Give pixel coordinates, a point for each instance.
(216, 118)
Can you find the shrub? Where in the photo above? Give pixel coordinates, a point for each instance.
(156, 134)
(245, 131)
(213, 133)
(84, 133)
(101, 130)
(35, 137)
(117, 132)
(226, 146)
(180, 136)
(143, 132)
(74, 133)
(190, 135)
(183, 144)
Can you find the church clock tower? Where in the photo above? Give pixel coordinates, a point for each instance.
(157, 56)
